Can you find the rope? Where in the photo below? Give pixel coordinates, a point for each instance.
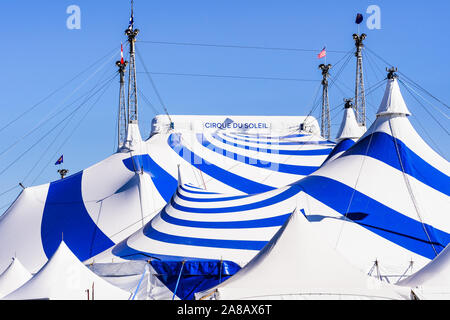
(409, 188)
(140, 281)
(230, 76)
(404, 75)
(64, 127)
(153, 85)
(53, 92)
(9, 190)
(45, 135)
(445, 115)
(354, 188)
(178, 281)
(430, 114)
(237, 46)
(44, 121)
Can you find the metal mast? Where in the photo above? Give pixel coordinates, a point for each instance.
(325, 119)
(360, 100)
(132, 102)
(122, 122)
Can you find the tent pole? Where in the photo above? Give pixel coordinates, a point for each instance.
(140, 281)
(178, 281)
(220, 271)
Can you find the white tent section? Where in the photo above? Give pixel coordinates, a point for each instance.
(385, 199)
(349, 132)
(433, 280)
(13, 277)
(349, 129)
(393, 103)
(64, 277)
(202, 224)
(298, 264)
(102, 205)
(94, 208)
(137, 277)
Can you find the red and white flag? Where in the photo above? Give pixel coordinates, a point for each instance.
(322, 53)
(121, 54)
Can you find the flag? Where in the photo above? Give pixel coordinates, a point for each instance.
(130, 25)
(121, 54)
(60, 160)
(322, 53)
(359, 18)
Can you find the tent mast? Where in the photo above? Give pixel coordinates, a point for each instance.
(122, 122)
(360, 100)
(325, 119)
(132, 87)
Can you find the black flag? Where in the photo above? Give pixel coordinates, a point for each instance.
(359, 18)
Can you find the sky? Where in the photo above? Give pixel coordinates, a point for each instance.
(49, 69)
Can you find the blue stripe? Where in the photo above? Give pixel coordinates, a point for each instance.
(163, 181)
(375, 216)
(383, 148)
(276, 221)
(193, 187)
(123, 251)
(288, 193)
(65, 216)
(298, 152)
(282, 143)
(233, 180)
(152, 233)
(273, 166)
(196, 192)
(343, 145)
(183, 197)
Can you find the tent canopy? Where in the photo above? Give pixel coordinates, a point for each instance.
(64, 277)
(298, 264)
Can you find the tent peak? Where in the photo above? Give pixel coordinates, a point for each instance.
(392, 103)
(350, 129)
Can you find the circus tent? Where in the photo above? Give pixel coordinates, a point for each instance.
(380, 201)
(102, 205)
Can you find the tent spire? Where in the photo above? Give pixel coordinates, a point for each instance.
(325, 118)
(349, 129)
(391, 73)
(132, 102)
(122, 122)
(392, 103)
(360, 100)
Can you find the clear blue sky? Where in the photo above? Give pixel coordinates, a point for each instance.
(40, 54)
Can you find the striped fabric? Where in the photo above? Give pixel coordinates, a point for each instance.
(207, 225)
(384, 198)
(100, 206)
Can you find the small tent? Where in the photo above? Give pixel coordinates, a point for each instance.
(64, 277)
(433, 280)
(298, 264)
(348, 133)
(13, 277)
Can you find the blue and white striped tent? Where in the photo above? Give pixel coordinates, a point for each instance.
(349, 132)
(206, 225)
(385, 199)
(98, 207)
